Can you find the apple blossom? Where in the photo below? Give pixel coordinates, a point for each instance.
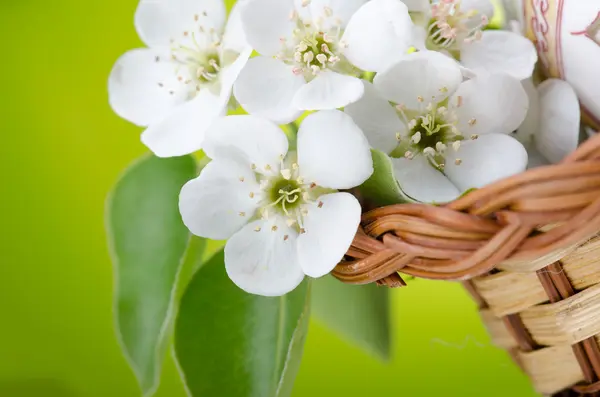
(278, 208)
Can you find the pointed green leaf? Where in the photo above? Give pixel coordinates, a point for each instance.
(229, 343)
(360, 313)
(148, 242)
(382, 188)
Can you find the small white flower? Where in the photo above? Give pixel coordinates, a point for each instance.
(278, 208)
(179, 84)
(313, 51)
(445, 135)
(551, 129)
(456, 27)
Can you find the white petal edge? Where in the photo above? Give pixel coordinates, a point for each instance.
(262, 262)
(560, 116)
(495, 103)
(183, 131)
(266, 87)
(265, 22)
(330, 230)
(210, 205)
(500, 52)
(423, 74)
(332, 151)
(422, 182)
(329, 90)
(488, 159)
(531, 124)
(160, 21)
(234, 37)
(378, 35)
(377, 119)
(341, 10)
(133, 90)
(251, 139)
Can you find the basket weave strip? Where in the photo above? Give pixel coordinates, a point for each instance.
(548, 320)
(529, 250)
(533, 218)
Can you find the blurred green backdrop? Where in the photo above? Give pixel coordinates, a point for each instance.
(62, 149)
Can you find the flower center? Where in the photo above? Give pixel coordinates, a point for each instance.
(315, 47)
(285, 194)
(197, 60)
(450, 26)
(431, 130)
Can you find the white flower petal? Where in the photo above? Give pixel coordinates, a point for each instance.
(484, 7)
(417, 5)
(234, 37)
(329, 90)
(265, 22)
(423, 74)
(329, 233)
(422, 182)
(262, 262)
(485, 160)
(230, 73)
(531, 124)
(266, 87)
(159, 21)
(182, 132)
(341, 10)
(332, 151)
(251, 139)
(494, 103)
(211, 204)
(378, 34)
(500, 52)
(133, 87)
(559, 120)
(377, 119)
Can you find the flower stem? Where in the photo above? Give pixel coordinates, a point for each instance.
(291, 131)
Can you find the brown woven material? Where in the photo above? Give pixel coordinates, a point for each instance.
(529, 248)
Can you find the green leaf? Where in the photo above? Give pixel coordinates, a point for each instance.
(229, 343)
(148, 242)
(360, 313)
(382, 188)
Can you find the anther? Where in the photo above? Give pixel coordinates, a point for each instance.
(257, 229)
(242, 214)
(286, 237)
(253, 166)
(458, 161)
(320, 204)
(474, 137)
(274, 228)
(313, 185)
(472, 121)
(302, 230)
(242, 179)
(251, 194)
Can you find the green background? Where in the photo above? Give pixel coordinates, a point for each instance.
(62, 148)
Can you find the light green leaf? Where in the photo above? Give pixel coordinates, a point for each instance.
(148, 242)
(229, 343)
(360, 313)
(382, 188)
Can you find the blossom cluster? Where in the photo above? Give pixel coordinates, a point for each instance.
(450, 102)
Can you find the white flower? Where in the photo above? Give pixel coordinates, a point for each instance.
(445, 135)
(551, 130)
(456, 27)
(278, 208)
(313, 51)
(179, 84)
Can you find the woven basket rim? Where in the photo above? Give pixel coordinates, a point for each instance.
(527, 216)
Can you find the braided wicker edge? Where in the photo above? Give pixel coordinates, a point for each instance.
(538, 215)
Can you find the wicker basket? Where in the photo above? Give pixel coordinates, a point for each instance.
(527, 248)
